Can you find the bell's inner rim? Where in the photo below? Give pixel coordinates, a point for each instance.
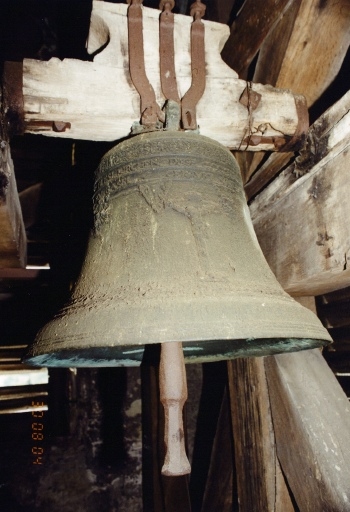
(194, 352)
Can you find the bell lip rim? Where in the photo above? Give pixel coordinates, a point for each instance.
(276, 345)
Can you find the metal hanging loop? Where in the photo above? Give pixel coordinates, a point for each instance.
(150, 110)
(167, 52)
(195, 92)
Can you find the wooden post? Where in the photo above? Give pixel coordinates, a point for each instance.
(261, 486)
(13, 241)
(214, 381)
(311, 419)
(220, 490)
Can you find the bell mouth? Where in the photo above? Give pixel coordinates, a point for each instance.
(209, 330)
(194, 352)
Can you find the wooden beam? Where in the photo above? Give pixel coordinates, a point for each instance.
(214, 381)
(321, 129)
(97, 101)
(311, 418)
(310, 62)
(276, 46)
(294, 55)
(219, 10)
(29, 200)
(248, 31)
(265, 173)
(301, 218)
(13, 240)
(219, 490)
(260, 481)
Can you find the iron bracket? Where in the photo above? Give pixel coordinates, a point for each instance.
(195, 92)
(167, 52)
(152, 117)
(283, 142)
(150, 110)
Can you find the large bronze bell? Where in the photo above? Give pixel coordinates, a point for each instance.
(173, 257)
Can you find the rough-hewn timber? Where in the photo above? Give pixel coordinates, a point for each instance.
(311, 418)
(13, 236)
(260, 482)
(296, 56)
(301, 218)
(248, 31)
(97, 101)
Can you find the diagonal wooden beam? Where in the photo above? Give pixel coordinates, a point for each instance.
(301, 218)
(311, 418)
(253, 23)
(266, 173)
(310, 61)
(304, 53)
(219, 10)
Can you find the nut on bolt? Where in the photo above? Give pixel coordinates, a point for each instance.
(60, 126)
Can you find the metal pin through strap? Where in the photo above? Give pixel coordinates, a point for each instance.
(150, 110)
(195, 92)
